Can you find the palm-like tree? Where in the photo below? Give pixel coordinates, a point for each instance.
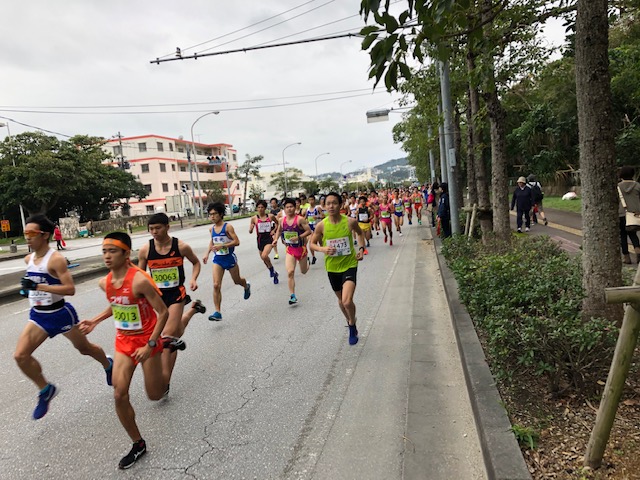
(250, 169)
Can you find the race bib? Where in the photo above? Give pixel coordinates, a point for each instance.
(38, 298)
(341, 245)
(385, 214)
(166, 277)
(264, 227)
(126, 317)
(407, 204)
(363, 217)
(399, 207)
(291, 237)
(219, 241)
(312, 220)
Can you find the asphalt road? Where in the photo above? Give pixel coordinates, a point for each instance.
(254, 396)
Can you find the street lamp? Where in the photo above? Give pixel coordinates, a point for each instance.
(284, 168)
(13, 161)
(193, 148)
(342, 165)
(316, 162)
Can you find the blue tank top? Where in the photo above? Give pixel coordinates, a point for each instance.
(221, 237)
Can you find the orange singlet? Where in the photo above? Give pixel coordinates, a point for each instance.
(135, 318)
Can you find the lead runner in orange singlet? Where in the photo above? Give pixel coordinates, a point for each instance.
(140, 316)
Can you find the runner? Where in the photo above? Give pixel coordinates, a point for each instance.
(293, 229)
(353, 206)
(385, 218)
(46, 283)
(222, 244)
(417, 204)
(408, 207)
(365, 214)
(374, 203)
(334, 237)
(140, 316)
(396, 203)
(264, 223)
(314, 214)
(164, 255)
(276, 211)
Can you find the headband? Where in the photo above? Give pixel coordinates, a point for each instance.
(116, 243)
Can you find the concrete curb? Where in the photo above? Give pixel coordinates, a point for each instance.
(502, 455)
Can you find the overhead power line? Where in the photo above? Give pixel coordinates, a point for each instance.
(212, 102)
(257, 107)
(262, 47)
(37, 128)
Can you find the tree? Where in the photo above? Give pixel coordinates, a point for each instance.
(54, 177)
(328, 185)
(255, 192)
(248, 170)
(601, 260)
(311, 188)
(293, 180)
(214, 193)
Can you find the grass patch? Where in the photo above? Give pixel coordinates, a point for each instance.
(557, 203)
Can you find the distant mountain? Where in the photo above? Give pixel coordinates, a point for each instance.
(392, 163)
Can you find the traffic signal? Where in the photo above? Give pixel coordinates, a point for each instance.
(216, 159)
(184, 189)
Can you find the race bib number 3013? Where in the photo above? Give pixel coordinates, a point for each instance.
(126, 317)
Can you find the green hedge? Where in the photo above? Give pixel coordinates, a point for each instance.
(525, 298)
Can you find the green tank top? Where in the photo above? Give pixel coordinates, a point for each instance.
(339, 236)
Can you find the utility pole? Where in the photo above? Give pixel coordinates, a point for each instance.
(441, 142)
(121, 159)
(445, 89)
(432, 161)
(193, 189)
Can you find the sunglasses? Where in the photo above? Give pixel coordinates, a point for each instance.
(32, 233)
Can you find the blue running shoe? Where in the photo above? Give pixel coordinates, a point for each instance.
(275, 278)
(247, 291)
(353, 335)
(293, 299)
(109, 371)
(215, 317)
(44, 398)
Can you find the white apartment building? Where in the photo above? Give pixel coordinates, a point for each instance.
(269, 191)
(162, 166)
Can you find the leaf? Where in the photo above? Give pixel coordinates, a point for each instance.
(390, 22)
(366, 43)
(369, 29)
(405, 71)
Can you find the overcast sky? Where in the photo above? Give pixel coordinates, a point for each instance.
(89, 54)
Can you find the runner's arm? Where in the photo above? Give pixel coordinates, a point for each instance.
(195, 261)
(143, 254)
(315, 244)
(209, 248)
(231, 233)
(251, 224)
(305, 225)
(355, 228)
(87, 326)
(276, 234)
(58, 268)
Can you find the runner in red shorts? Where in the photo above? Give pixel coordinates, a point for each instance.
(140, 315)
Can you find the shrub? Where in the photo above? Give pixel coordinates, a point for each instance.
(525, 298)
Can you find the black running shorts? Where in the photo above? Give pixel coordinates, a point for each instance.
(338, 279)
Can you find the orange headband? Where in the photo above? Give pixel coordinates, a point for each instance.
(115, 243)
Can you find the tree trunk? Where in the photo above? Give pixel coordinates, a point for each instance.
(601, 256)
(482, 183)
(457, 141)
(499, 183)
(471, 159)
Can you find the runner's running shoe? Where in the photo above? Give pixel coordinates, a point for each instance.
(44, 397)
(109, 371)
(199, 307)
(138, 450)
(353, 335)
(247, 291)
(215, 317)
(275, 278)
(293, 299)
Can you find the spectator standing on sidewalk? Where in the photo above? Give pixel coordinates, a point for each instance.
(536, 196)
(523, 201)
(630, 190)
(444, 210)
(57, 236)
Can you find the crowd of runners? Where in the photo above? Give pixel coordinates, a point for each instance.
(149, 302)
